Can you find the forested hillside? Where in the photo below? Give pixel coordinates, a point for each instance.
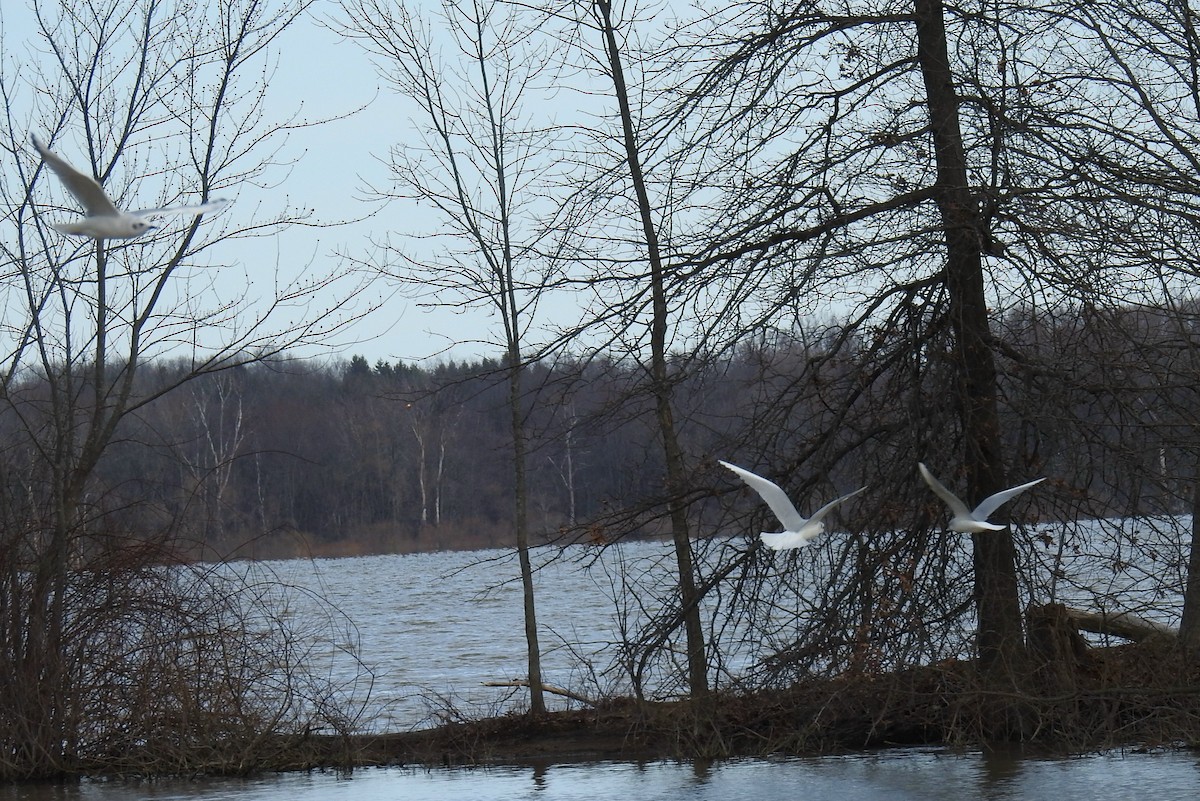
(293, 457)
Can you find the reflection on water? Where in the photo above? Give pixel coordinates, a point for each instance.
(898, 775)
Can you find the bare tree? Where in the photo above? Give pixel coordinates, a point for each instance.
(218, 416)
(146, 99)
(998, 603)
(433, 415)
(479, 168)
(936, 167)
(1149, 65)
(661, 379)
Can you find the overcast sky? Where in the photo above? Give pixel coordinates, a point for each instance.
(323, 76)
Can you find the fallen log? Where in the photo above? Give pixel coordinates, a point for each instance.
(1125, 625)
(1062, 658)
(549, 688)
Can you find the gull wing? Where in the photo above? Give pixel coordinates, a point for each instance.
(774, 497)
(85, 188)
(175, 211)
(824, 510)
(993, 502)
(957, 507)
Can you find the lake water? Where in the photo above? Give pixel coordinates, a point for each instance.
(431, 628)
(428, 629)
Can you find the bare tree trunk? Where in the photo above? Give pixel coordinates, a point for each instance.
(659, 373)
(569, 472)
(998, 604)
(437, 478)
(1125, 625)
(537, 700)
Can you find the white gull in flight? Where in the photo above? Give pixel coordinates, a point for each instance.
(104, 220)
(964, 520)
(797, 532)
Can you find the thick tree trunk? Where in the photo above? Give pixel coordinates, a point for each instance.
(998, 604)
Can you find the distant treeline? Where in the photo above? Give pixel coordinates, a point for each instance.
(292, 456)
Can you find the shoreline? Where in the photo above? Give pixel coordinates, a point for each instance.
(1155, 706)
